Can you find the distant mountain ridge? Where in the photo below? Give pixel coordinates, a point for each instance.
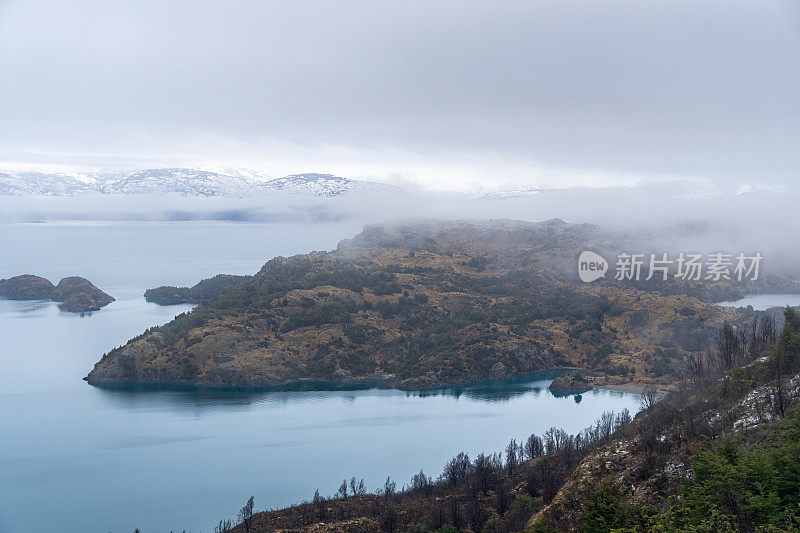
(183, 181)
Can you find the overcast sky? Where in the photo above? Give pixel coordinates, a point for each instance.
(452, 94)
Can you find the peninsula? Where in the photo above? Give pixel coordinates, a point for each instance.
(425, 305)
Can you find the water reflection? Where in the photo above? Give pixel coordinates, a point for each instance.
(15, 308)
(496, 390)
(132, 395)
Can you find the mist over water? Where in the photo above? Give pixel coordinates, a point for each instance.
(673, 215)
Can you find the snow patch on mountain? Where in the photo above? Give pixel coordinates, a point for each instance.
(515, 193)
(182, 181)
(37, 183)
(320, 184)
(177, 180)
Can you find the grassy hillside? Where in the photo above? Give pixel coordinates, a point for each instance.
(426, 305)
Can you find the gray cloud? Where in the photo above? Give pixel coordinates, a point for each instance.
(677, 87)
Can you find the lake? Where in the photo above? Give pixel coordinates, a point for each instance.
(75, 458)
(761, 302)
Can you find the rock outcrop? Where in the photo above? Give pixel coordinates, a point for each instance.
(27, 287)
(566, 385)
(74, 294)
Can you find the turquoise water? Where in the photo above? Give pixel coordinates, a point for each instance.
(75, 458)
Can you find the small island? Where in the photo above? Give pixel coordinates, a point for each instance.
(74, 294)
(568, 385)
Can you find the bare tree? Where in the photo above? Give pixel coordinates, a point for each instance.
(767, 331)
(742, 342)
(548, 473)
(696, 365)
(422, 483)
(342, 492)
(649, 397)
(754, 344)
(224, 526)
(534, 447)
(779, 399)
(389, 487)
(727, 347)
(246, 514)
(457, 469)
(605, 424)
(554, 439)
(622, 419)
(512, 457)
(483, 470)
(319, 504)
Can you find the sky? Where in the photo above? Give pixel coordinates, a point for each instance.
(449, 95)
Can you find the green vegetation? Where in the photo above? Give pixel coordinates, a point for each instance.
(721, 454)
(205, 291)
(737, 485)
(743, 483)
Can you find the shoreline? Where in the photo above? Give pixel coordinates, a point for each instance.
(382, 382)
(629, 388)
(308, 385)
(633, 387)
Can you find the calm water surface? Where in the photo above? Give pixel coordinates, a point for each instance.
(75, 458)
(760, 302)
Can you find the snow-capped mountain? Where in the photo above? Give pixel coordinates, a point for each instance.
(38, 183)
(515, 193)
(320, 184)
(183, 181)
